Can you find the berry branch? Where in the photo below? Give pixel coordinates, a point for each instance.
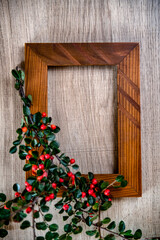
(83, 198)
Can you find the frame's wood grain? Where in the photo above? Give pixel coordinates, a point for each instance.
(38, 56)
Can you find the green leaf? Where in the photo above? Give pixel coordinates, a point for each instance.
(77, 230)
(17, 142)
(106, 220)
(27, 140)
(90, 176)
(26, 110)
(15, 74)
(91, 233)
(91, 200)
(41, 226)
(88, 221)
(30, 97)
(34, 143)
(4, 213)
(51, 137)
(119, 178)
(21, 74)
(121, 226)
(25, 225)
(67, 228)
(106, 206)
(48, 217)
(56, 130)
(2, 197)
(112, 225)
(3, 233)
(27, 167)
(31, 180)
(16, 187)
(127, 233)
(54, 144)
(36, 214)
(53, 227)
(40, 238)
(75, 166)
(110, 237)
(28, 196)
(104, 185)
(44, 208)
(124, 183)
(138, 234)
(49, 236)
(35, 154)
(37, 117)
(13, 149)
(19, 131)
(78, 193)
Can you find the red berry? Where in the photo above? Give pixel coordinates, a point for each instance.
(53, 126)
(73, 176)
(72, 161)
(94, 195)
(28, 210)
(27, 184)
(54, 185)
(29, 188)
(42, 157)
(45, 174)
(5, 207)
(87, 204)
(109, 199)
(94, 181)
(23, 197)
(47, 199)
(34, 167)
(51, 196)
(43, 127)
(65, 207)
(28, 157)
(47, 156)
(90, 191)
(91, 186)
(41, 166)
(17, 194)
(44, 114)
(39, 178)
(61, 180)
(69, 174)
(73, 182)
(107, 192)
(83, 194)
(24, 129)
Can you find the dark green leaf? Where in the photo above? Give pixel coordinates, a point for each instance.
(15, 74)
(28, 196)
(31, 180)
(78, 193)
(56, 130)
(26, 110)
(77, 230)
(75, 166)
(49, 236)
(34, 143)
(67, 228)
(104, 185)
(30, 97)
(106, 206)
(90, 176)
(91, 200)
(54, 144)
(44, 208)
(27, 140)
(124, 183)
(91, 233)
(112, 225)
(121, 226)
(37, 117)
(119, 178)
(13, 149)
(2, 197)
(41, 226)
(48, 217)
(53, 227)
(51, 137)
(27, 167)
(109, 237)
(4, 213)
(25, 225)
(106, 220)
(88, 221)
(138, 234)
(16, 187)
(19, 131)
(3, 233)
(40, 238)
(36, 214)
(17, 142)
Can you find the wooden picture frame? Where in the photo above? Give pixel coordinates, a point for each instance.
(39, 56)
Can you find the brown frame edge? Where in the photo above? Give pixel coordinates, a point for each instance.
(38, 56)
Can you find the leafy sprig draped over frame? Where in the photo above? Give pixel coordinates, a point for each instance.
(83, 199)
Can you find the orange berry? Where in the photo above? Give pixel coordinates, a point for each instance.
(24, 129)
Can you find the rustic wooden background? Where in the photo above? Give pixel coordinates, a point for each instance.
(85, 21)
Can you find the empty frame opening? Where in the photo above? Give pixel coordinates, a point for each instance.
(83, 103)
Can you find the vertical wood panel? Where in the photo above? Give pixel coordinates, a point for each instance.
(85, 21)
